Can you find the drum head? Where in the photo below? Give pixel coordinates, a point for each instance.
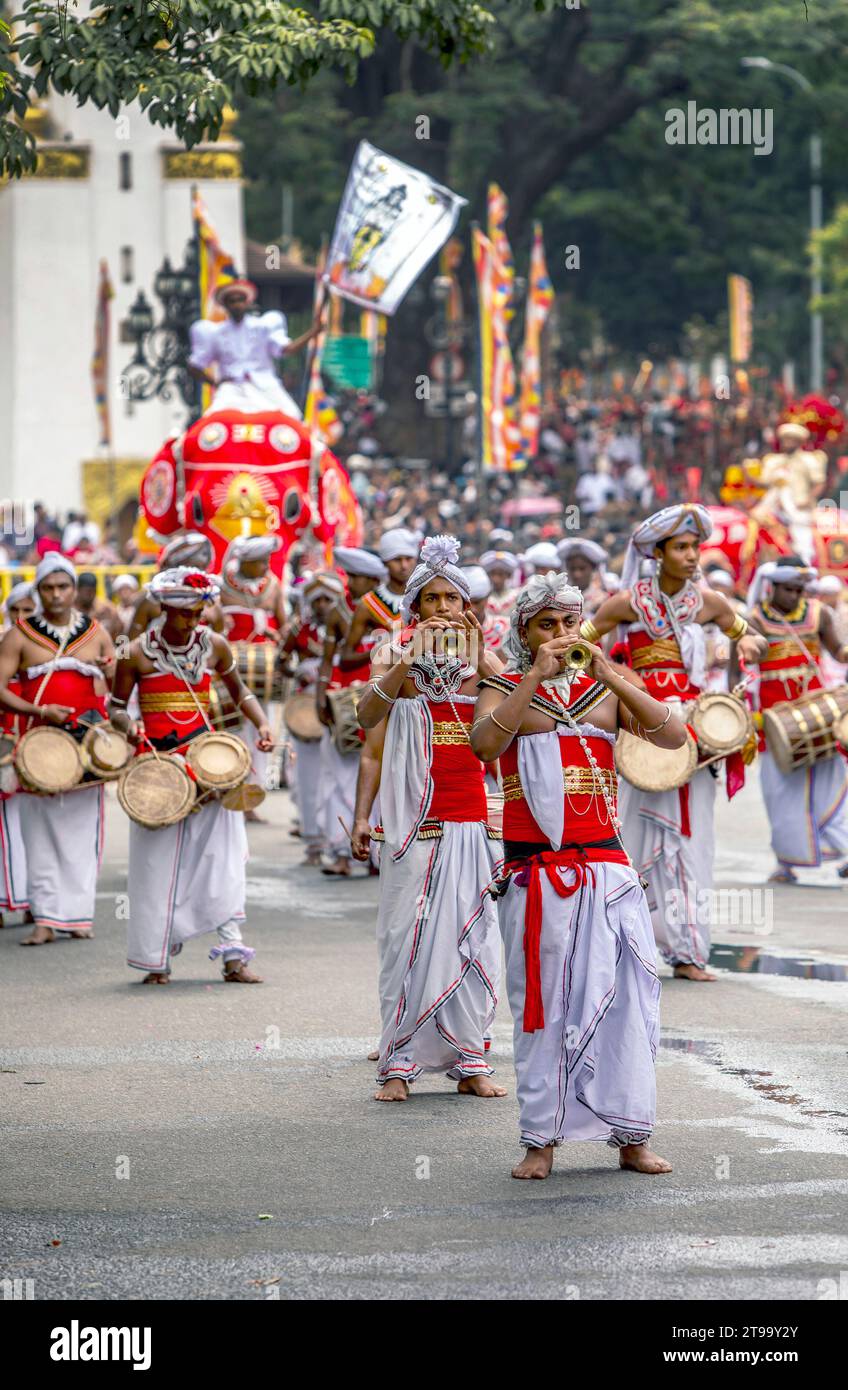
(104, 751)
(653, 769)
(301, 717)
(156, 791)
(219, 761)
(244, 798)
(48, 760)
(721, 722)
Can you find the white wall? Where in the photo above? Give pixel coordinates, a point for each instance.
(53, 235)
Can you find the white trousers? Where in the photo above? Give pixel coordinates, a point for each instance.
(808, 811)
(63, 836)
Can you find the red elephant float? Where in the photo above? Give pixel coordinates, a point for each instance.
(233, 474)
(741, 543)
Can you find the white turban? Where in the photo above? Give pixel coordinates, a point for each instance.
(185, 549)
(322, 584)
(828, 584)
(183, 587)
(594, 553)
(354, 560)
(54, 560)
(679, 520)
(438, 558)
(479, 584)
(124, 581)
(542, 591)
(254, 547)
(398, 542)
(720, 579)
(17, 594)
(778, 572)
(541, 557)
(499, 559)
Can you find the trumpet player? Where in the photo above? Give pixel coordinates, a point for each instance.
(583, 986)
(437, 926)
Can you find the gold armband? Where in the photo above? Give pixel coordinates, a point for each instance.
(589, 632)
(737, 628)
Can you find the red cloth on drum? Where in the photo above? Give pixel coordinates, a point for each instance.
(459, 793)
(591, 824)
(69, 688)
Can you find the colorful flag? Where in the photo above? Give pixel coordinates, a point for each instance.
(740, 304)
(499, 433)
(100, 357)
(540, 297)
(391, 221)
(497, 208)
(319, 413)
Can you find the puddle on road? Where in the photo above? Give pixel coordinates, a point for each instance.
(752, 960)
(760, 1081)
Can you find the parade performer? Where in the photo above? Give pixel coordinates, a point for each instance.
(91, 606)
(437, 926)
(242, 350)
(502, 567)
(363, 571)
(190, 548)
(254, 614)
(13, 883)
(670, 834)
(793, 479)
(61, 659)
(807, 808)
(495, 626)
(378, 612)
(583, 561)
(188, 878)
(303, 648)
(125, 594)
(583, 987)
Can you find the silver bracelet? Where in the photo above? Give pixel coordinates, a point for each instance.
(378, 690)
(661, 725)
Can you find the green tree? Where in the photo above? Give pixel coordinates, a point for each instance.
(186, 60)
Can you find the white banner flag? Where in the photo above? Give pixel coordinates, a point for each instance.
(392, 220)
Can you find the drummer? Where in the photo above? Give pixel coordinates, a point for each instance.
(189, 548)
(254, 612)
(807, 808)
(189, 878)
(378, 612)
(363, 571)
(670, 834)
(20, 603)
(61, 659)
(583, 561)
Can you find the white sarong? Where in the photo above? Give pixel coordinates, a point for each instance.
(437, 931)
(678, 867)
(336, 795)
(808, 811)
(589, 1073)
(13, 884)
(63, 836)
(307, 782)
(184, 880)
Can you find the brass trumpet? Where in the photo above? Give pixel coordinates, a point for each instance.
(577, 657)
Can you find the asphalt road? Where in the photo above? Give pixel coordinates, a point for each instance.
(206, 1141)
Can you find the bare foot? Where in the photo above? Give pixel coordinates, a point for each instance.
(156, 977)
(479, 1086)
(341, 869)
(254, 818)
(693, 972)
(393, 1090)
(238, 974)
(313, 858)
(641, 1159)
(39, 937)
(374, 1056)
(81, 935)
(537, 1163)
(786, 876)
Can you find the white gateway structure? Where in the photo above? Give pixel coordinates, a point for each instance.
(108, 189)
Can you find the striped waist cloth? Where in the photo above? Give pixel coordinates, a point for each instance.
(173, 700)
(576, 781)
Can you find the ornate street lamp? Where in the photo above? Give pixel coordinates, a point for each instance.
(159, 364)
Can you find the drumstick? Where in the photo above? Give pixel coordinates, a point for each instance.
(345, 829)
